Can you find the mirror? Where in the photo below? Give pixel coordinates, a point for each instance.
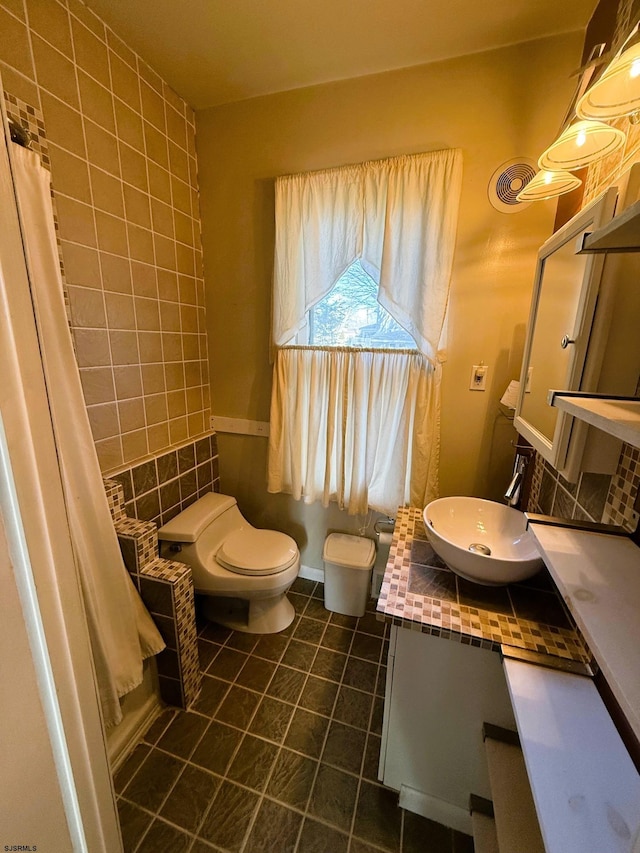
(561, 278)
(564, 300)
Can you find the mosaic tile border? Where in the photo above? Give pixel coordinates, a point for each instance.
(619, 507)
(178, 665)
(468, 625)
(32, 119)
(536, 478)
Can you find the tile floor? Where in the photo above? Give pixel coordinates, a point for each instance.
(280, 752)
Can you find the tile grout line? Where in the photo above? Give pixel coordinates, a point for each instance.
(296, 621)
(295, 707)
(360, 777)
(262, 795)
(187, 762)
(328, 728)
(245, 732)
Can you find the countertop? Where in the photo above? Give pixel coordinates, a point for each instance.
(419, 592)
(599, 577)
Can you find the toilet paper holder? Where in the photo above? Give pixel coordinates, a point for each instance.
(383, 528)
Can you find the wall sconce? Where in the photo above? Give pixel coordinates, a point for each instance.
(617, 92)
(548, 185)
(580, 144)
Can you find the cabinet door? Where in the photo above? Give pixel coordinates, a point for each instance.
(564, 301)
(441, 692)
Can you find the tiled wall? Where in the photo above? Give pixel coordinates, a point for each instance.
(595, 497)
(551, 494)
(122, 150)
(158, 489)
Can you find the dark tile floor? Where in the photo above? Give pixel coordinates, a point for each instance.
(280, 752)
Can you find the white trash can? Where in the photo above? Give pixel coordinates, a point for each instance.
(348, 561)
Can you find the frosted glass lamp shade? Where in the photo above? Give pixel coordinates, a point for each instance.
(548, 185)
(580, 144)
(617, 92)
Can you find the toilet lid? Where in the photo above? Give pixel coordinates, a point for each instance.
(257, 552)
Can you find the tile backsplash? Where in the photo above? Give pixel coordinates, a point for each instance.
(121, 146)
(595, 497)
(160, 488)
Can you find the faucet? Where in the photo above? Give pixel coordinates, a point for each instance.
(512, 493)
(513, 489)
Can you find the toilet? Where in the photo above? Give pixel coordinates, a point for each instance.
(243, 572)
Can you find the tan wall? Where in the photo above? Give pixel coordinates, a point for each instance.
(494, 106)
(123, 167)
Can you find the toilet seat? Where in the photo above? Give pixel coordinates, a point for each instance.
(251, 551)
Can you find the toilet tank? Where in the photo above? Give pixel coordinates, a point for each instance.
(189, 524)
(200, 529)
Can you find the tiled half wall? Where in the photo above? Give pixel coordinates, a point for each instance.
(141, 499)
(121, 148)
(166, 587)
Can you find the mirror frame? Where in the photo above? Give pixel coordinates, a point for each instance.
(564, 450)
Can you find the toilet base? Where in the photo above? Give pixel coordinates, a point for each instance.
(259, 616)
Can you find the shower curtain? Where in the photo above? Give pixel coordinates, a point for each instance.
(121, 631)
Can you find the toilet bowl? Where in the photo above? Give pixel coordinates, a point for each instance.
(243, 572)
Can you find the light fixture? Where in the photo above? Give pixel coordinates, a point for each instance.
(617, 92)
(548, 185)
(580, 144)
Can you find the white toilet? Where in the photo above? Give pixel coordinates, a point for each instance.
(230, 559)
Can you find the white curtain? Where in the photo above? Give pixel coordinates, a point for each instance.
(363, 427)
(121, 630)
(397, 216)
(359, 427)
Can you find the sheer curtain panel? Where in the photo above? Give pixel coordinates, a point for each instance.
(359, 427)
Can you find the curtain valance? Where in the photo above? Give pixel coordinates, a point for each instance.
(398, 216)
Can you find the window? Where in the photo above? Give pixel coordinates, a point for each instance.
(363, 259)
(351, 316)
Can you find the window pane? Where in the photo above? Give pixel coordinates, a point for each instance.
(350, 316)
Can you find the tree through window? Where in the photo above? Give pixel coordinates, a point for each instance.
(351, 316)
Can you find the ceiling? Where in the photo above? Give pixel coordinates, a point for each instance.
(216, 51)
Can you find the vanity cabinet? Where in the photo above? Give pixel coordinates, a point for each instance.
(438, 695)
(581, 336)
(440, 691)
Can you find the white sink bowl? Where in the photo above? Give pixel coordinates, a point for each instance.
(482, 541)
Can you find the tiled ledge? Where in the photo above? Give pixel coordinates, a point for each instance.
(166, 587)
(419, 592)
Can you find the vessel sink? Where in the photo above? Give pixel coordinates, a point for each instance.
(482, 541)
